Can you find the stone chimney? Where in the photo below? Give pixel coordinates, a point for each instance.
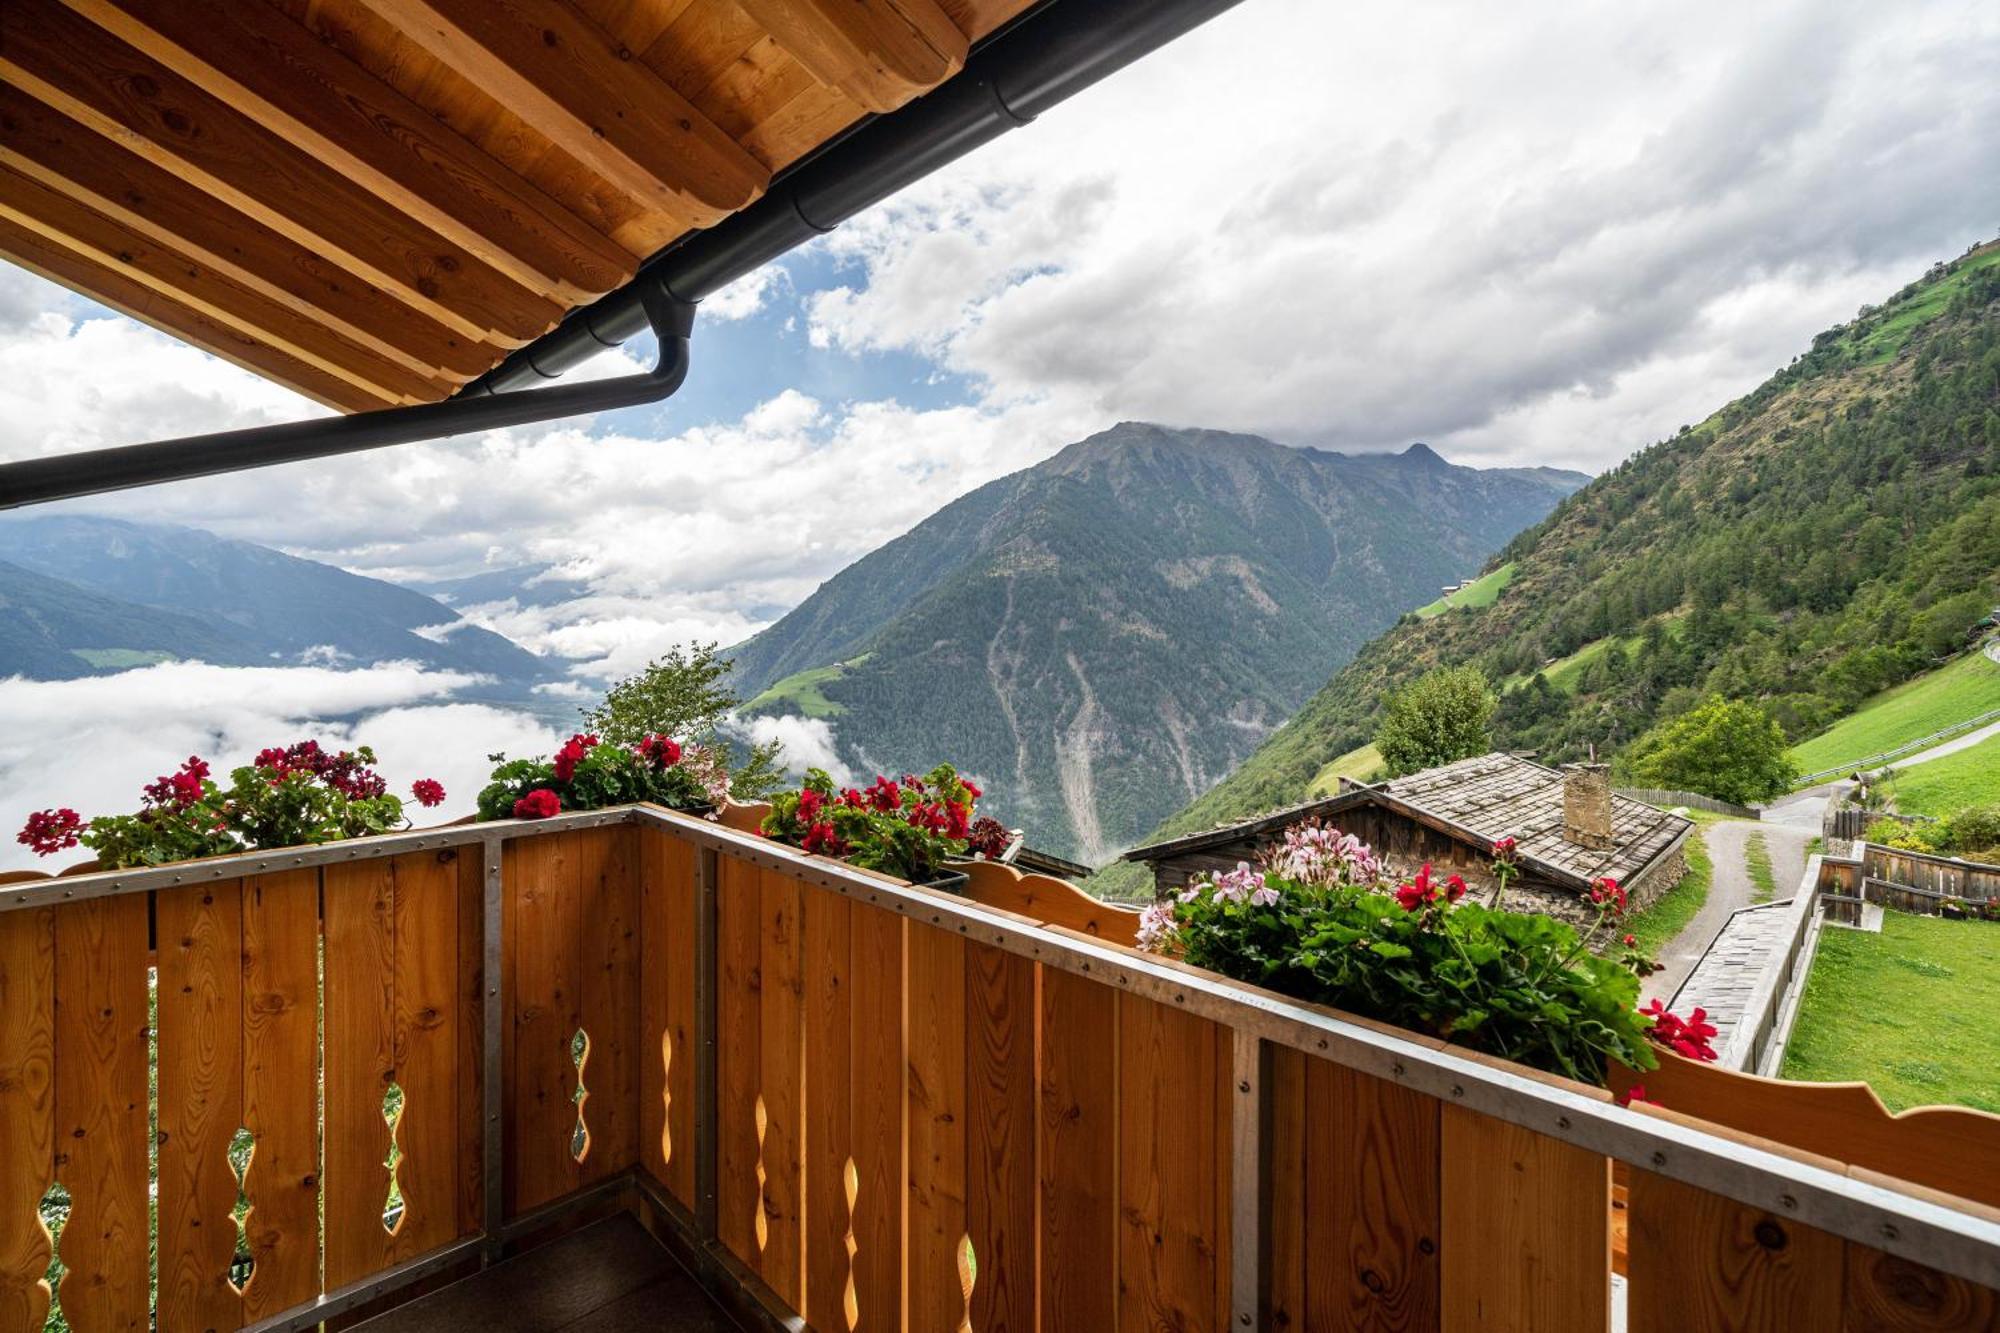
(1587, 806)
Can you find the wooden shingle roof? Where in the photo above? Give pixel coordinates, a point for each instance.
(1480, 800)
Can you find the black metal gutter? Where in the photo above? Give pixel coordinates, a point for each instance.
(1047, 56)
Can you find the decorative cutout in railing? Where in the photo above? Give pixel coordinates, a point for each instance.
(579, 1055)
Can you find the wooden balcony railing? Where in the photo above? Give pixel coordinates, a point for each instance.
(849, 1104)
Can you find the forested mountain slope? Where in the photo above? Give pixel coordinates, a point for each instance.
(1102, 636)
(1832, 533)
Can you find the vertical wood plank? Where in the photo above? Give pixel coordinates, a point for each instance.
(281, 1088)
(200, 931)
(1885, 1294)
(1699, 1262)
(471, 1059)
(1372, 1205)
(426, 998)
(1001, 1139)
(879, 1049)
(739, 909)
(829, 1102)
(1526, 1229)
(609, 997)
(27, 1110)
(1285, 1188)
(1171, 1135)
(360, 1064)
(781, 1047)
(937, 1218)
(666, 1050)
(101, 1042)
(1079, 1132)
(546, 947)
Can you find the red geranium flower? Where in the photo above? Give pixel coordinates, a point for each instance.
(571, 755)
(538, 804)
(821, 838)
(50, 831)
(428, 791)
(1683, 1036)
(1421, 892)
(659, 751)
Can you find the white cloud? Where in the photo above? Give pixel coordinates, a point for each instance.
(808, 742)
(91, 744)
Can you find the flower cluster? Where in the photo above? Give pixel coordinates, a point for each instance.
(289, 796)
(586, 773)
(1687, 1037)
(1314, 852)
(906, 827)
(1419, 953)
(988, 838)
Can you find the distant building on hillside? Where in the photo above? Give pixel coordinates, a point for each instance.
(1569, 827)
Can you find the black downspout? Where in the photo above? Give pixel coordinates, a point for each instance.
(1047, 56)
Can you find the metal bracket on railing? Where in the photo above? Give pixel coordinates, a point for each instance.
(66, 476)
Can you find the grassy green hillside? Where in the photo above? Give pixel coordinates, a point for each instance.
(804, 691)
(1917, 708)
(1826, 537)
(1363, 764)
(1944, 786)
(1480, 592)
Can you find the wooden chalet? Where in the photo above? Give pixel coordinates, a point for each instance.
(1569, 827)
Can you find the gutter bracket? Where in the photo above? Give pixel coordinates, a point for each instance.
(94, 472)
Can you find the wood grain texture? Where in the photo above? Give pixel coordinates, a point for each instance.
(1173, 1069)
(471, 1059)
(200, 932)
(572, 81)
(881, 52)
(1079, 1152)
(101, 1096)
(1700, 1263)
(1372, 1202)
(280, 74)
(739, 1062)
(937, 1112)
(65, 267)
(1002, 1149)
(425, 1051)
(881, 1107)
(1284, 1189)
(281, 1088)
(781, 1051)
(156, 204)
(262, 328)
(829, 1104)
(1526, 1222)
(608, 879)
(360, 1064)
(1053, 901)
(90, 76)
(544, 934)
(27, 1110)
(1885, 1294)
(666, 1034)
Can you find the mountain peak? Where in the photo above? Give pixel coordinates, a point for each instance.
(1423, 455)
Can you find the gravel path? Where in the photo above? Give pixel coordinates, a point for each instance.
(1731, 888)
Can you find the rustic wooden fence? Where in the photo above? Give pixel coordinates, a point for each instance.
(1921, 882)
(1694, 800)
(865, 1105)
(1850, 822)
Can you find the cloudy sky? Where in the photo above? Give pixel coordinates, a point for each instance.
(1536, 233)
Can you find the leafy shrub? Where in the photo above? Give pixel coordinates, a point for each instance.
(588, 773)
(907, 828)
(290, 796)
(687, 694)
(1725, 748)
(1330, 930)
(1441, 717)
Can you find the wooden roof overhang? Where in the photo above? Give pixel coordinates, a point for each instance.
(376, 202)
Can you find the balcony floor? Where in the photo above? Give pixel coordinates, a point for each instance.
(609, 1277)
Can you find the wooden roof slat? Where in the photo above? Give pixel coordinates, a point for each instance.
(46, 259)
(637, 24)
(94, 78)
(49, 147)
(280, 74)
(879, 52)
(577, 85)
(192, 284)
